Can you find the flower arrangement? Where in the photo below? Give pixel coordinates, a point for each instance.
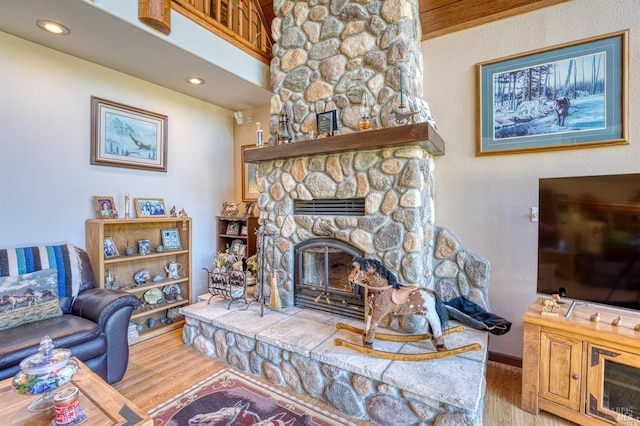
(223, 261)
(252, 264)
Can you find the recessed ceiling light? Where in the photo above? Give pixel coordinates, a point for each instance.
(53, 27)
(196, 81)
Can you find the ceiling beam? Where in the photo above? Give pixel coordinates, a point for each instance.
(440, 17)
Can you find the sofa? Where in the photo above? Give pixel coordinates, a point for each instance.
(51, 291)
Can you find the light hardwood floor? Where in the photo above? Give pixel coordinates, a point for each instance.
(162, 367)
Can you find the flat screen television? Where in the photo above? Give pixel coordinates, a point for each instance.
(589, 238)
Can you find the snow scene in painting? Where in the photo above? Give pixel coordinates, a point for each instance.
(128, 137)
(558, 97)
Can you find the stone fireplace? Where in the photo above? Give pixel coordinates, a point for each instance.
(395, 182)
(368, 193)
(351, 56)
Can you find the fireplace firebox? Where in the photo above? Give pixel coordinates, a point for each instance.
(322, 268)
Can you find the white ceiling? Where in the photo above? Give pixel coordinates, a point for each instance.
(121, 42)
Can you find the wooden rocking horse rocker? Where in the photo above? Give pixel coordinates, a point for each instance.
(385, 295)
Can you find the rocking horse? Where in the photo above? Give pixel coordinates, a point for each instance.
(387, 296)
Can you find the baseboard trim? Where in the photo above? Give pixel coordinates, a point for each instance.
(505, 359)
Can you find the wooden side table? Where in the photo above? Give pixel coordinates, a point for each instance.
(102, 403)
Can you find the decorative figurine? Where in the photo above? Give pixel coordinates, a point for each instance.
(228, 209)
(142, 276)
(549, 305)
(636, 328)
(595, 317)
(616, 322)
(172, 212)
(184, 216)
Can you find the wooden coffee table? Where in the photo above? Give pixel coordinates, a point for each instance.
(102, 403)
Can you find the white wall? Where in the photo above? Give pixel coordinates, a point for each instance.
(46, 181)
(486, 200)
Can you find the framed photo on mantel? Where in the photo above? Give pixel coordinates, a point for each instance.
(327, 123)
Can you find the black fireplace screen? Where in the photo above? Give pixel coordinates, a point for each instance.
(321, 279)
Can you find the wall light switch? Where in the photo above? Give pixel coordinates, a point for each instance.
(534, 214)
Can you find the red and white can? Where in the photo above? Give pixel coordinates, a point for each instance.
(67, 405)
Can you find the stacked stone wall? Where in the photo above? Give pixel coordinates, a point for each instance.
(396, 228)
(332, 54)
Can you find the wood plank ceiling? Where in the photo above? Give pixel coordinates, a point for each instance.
(440, 17)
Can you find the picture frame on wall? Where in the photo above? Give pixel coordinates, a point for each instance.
(150, 207)
(568, 96)
(125, 136)
(105, 207)
(250, 189)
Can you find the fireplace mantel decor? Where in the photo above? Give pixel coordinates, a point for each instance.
(422, 134)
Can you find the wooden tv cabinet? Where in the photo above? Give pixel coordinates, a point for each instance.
(585, 371)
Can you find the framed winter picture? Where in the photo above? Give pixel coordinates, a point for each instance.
(124, 136)
(563, 97)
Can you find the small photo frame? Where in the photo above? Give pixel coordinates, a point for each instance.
(236, 246)
(244, 230)
(110, 249)
(143, 247)
(171, 239)
(150, 207)
(248, 208)
(233, 228)
(105, 207)
(327, 123)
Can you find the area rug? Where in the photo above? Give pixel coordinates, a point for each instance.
(231, 398)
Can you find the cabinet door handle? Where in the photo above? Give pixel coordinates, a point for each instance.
(575, 377)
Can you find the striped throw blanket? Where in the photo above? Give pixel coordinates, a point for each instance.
(64, 258)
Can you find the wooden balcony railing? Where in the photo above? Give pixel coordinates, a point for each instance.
(240, 22)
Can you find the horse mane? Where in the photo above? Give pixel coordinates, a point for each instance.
(365, 263)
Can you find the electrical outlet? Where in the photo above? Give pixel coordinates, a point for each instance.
(534, 214)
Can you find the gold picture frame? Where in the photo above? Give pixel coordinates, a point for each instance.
(572, 95)
(250, 190)
(105, 207)
(150, 207)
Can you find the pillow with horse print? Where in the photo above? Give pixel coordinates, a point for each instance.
(28, 298)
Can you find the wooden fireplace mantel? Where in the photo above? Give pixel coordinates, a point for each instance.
(422, 134)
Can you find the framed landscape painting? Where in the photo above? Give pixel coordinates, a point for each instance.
(563, 97)
(124, 136)
(250, 190)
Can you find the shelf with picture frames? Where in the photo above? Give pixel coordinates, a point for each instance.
(150, 319)
(242, 234)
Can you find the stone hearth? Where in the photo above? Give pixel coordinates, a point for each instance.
(294, 348)
(397, 225)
